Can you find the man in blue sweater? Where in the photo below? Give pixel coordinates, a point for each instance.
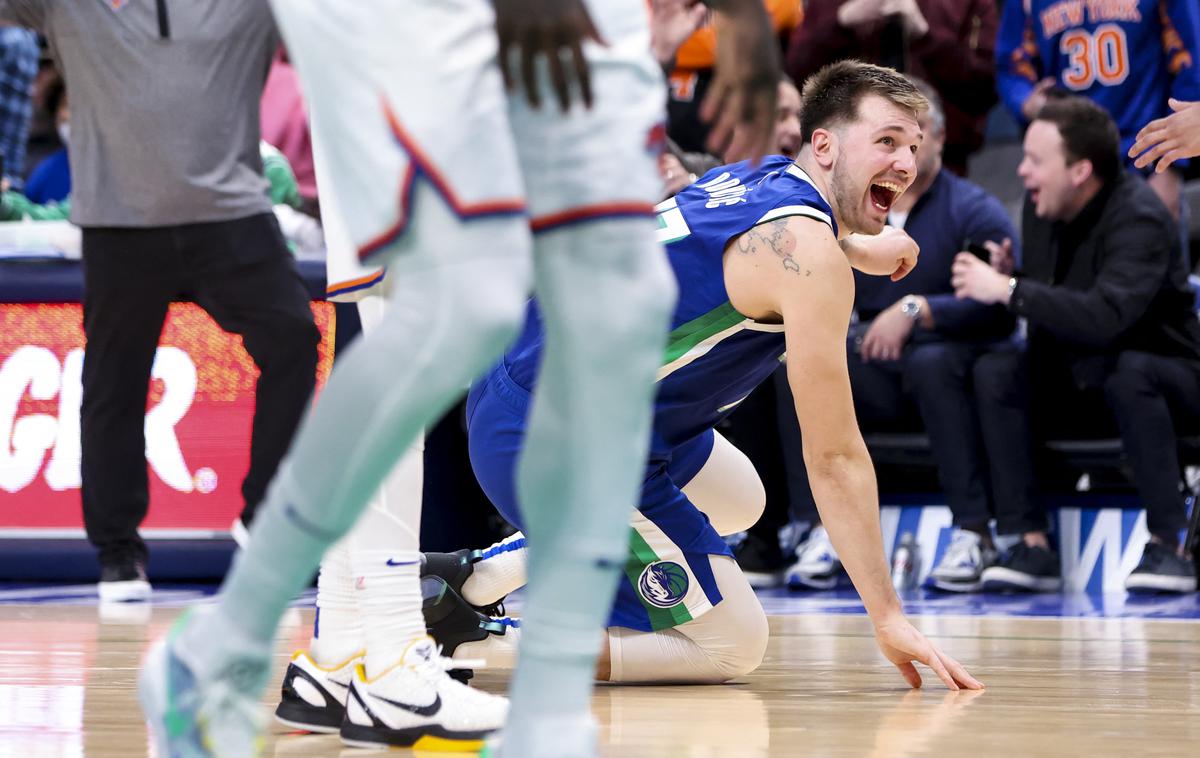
(912, 355)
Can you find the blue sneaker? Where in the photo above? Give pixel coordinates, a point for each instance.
(194, 714)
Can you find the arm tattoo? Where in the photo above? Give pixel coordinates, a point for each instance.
(773, 236)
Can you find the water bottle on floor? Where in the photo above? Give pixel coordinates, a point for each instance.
(905, 563)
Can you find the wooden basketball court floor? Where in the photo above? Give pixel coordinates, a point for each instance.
(1104, 677)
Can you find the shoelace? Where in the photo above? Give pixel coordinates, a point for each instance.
(435, 666)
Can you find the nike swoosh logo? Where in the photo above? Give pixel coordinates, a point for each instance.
(392, 562)
(420, 710)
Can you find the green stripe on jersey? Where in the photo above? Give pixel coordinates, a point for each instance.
(699, 329)
(642, 555)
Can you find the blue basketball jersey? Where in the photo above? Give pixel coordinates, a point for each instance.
(1126, 55)
(715, 355)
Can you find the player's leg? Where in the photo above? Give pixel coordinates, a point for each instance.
(381, 612)
(606, 293)
(726, 642)
(460, 288)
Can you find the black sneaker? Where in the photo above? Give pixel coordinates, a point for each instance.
(761, 561)
(1162, 570)
(1024, 569)
(451, 621)
(123, 578)
(454, 569)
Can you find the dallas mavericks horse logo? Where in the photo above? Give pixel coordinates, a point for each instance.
(663, 584)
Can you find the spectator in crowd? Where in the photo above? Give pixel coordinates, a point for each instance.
(169, 192)
(679, 168)
(691, 63)
(912, 359)
(1130, 63)
(1112, 337)
(50, 180)
(948, 43)
(18, 66)
(282, 189)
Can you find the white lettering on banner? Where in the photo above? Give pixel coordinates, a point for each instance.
(1104, 539)
(24, 442)
(62, 472)
(178, 373)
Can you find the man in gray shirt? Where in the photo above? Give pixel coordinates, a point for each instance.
(167, 186)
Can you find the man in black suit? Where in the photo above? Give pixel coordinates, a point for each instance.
(1112, 336)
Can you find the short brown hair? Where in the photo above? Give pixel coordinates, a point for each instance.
(1088, 133)
(831, 96)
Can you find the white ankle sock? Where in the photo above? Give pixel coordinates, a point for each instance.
(500, 571)
(389, 596)
(337, 629)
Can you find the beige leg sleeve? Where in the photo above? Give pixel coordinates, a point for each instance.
(727, 489)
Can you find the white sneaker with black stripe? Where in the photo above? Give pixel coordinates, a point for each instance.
(313, 697)
(416, 704)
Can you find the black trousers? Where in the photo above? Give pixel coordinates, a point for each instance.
(242, 274)
(930, 386)
(1147, 399)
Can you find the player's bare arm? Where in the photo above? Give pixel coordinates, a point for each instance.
(740, 103)
(890, 253)
(796, 269)
(555, 29)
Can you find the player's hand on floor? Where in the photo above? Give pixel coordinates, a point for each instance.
(556, 29)
(902, 644)
(740, 104)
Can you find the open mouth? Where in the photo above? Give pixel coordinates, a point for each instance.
(883, 194)
(1033, 195)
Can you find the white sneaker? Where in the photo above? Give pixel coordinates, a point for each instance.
(416, 704)
(817, 564)
(313, 697)
(961, 568)
(194, 713)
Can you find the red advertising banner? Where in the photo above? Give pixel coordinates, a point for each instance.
(198, 418)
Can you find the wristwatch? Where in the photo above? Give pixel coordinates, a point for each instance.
(910, 305)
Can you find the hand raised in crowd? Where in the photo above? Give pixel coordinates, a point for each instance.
(976, 280)
(675, 177)
(910, 14)
(1169, 138)
(858, 12)
(1037, 98)
(740, 104)
(886, 337)
(671, 23)
(1000, 256)
(555, 29)
(902, 644)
